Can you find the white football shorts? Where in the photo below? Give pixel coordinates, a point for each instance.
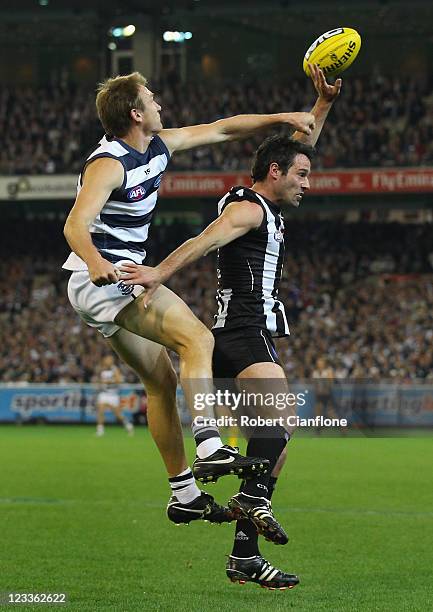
(108, 397)
(98, 306)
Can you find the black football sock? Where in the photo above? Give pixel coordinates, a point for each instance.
(267, 443)
(246, 538)
(271, 486)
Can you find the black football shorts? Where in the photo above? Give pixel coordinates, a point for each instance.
(236, 349)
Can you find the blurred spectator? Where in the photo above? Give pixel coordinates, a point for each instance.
(378, 121)
(360, 295)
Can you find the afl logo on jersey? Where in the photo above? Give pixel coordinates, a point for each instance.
(136, 193)
(125, 289)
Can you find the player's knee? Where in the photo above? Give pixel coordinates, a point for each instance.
(200, 341)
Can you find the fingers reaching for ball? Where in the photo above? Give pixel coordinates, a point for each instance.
(326, 91)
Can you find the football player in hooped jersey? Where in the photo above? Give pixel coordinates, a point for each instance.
(107, 226)
(248, 234)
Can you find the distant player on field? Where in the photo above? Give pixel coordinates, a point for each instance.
(109, 378)
(108, 224)
(249, 234)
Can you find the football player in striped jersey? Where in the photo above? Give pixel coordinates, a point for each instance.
(107, 226)
(249, 236)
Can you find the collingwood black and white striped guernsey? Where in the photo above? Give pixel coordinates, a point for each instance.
(121, 229)
(249, 271)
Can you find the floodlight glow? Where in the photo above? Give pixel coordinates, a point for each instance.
(129, 30)
(177, 37)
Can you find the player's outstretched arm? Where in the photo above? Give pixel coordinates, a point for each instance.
(233, 128)
(326, 96)
(236, 220)
(102, 176)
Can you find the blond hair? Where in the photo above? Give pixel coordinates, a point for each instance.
(114, 100)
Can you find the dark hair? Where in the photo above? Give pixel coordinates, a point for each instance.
(116, 97)
(280, 149)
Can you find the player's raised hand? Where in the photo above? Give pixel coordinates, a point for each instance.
(325, 91)
(147, 277)
(102, 272)
(302, 122)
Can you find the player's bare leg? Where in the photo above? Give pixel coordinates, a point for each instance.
(152, 364)
(168, 321)
(100, 418)
(123, 420)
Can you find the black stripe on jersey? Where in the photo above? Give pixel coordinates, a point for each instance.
(148, 186)
(157, 146)
(115, 258)
(115, 220)
(105, 241)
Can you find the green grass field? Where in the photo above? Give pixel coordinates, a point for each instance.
(86, 516)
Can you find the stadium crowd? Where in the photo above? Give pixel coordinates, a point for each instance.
(381, 121)
(360, 295)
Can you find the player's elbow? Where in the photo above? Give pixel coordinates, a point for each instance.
(223, 131)
(72, 227)
(67, 229)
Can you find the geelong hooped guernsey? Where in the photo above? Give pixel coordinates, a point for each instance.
(108, 378)
(249, 271)
(121, 229)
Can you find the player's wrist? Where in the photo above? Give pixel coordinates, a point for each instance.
(289, 119)
(324, 103)
(94, 261)
(162, 274)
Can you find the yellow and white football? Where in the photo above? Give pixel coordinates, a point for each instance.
(333, 51)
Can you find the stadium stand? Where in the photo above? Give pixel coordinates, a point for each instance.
(361, 294)
(381, 121)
